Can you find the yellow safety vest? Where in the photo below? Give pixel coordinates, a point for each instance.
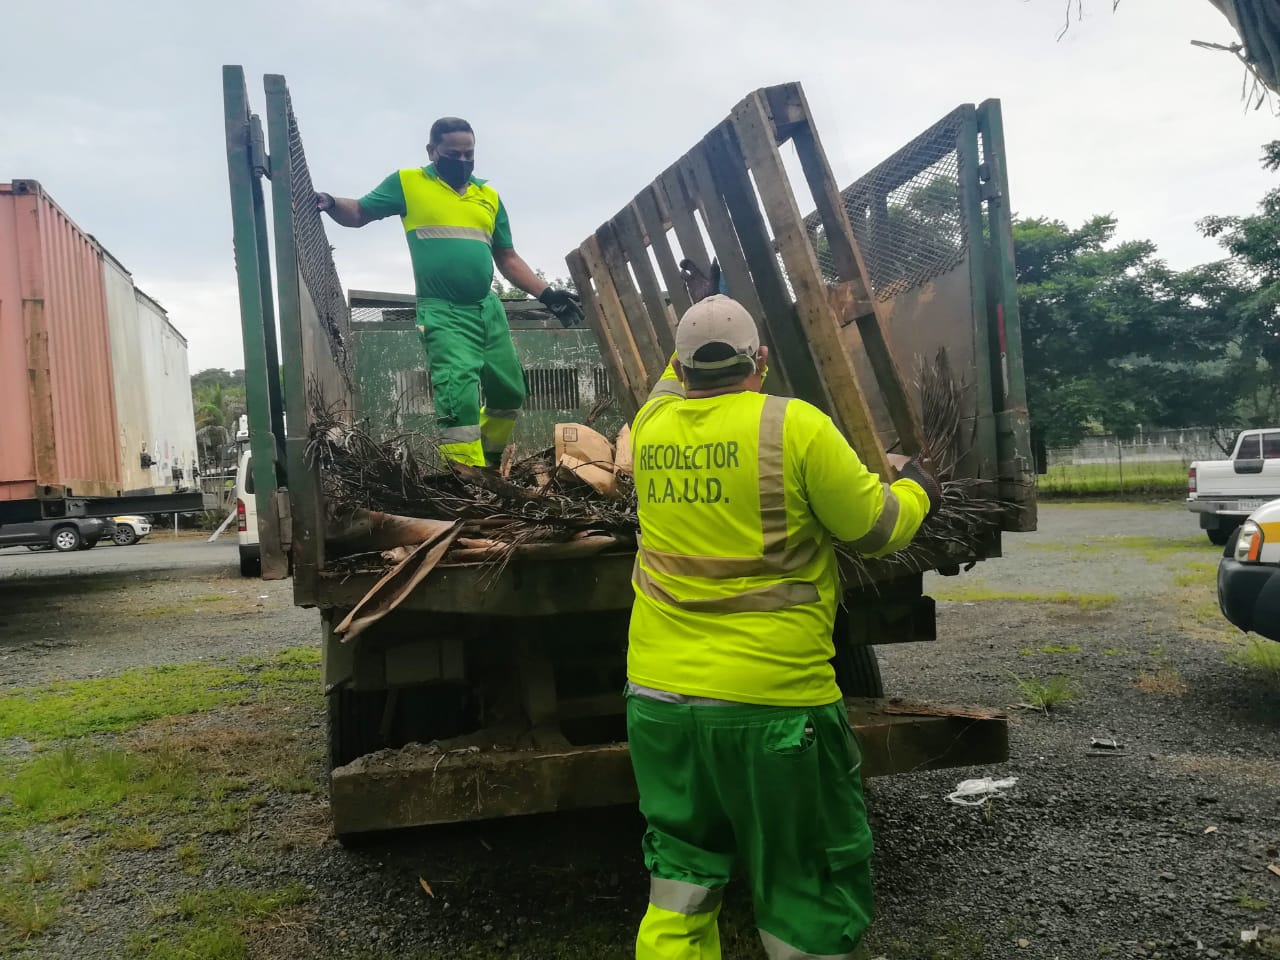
(736, 579)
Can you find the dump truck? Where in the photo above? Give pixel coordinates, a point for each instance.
(492, 691)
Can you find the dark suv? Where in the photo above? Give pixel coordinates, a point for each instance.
(63, 534)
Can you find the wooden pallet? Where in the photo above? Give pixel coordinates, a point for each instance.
(734, 186)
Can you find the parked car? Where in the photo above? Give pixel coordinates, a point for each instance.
(247, 518)
(1224, 492)
(129, 530)
(1249, 574)
(63, 534)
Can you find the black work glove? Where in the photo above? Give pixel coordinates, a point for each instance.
(565, 305)
(701, 287)
(920, 469)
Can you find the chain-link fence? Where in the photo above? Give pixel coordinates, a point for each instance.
(315, 255)
(906, 213)
(1153, 462)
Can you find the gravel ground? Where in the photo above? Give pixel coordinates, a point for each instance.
(97, 612)
(1089, 855)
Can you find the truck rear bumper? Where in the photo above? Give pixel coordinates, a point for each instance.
(412, 787)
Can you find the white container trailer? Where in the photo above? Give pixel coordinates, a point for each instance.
(128, 374)
(166, 384)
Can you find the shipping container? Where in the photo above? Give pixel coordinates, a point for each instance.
(166, 384)
(128, 374)
(58, 435)
(95, 398)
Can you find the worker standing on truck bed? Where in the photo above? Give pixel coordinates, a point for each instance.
(740, 741)
(457, 229)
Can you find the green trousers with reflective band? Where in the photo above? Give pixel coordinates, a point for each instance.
(469, 347)
(771, 792)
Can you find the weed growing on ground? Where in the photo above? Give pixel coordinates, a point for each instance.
(1053, 648)
(1044, 695)
(1166, 681)
(1261, 655)
(1248, 902)
(189, 860)
(25, 912)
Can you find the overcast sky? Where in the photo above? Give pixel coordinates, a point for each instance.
(117, 109)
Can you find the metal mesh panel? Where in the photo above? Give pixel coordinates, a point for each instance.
(907, 214)
(315, 255)
(365, 314)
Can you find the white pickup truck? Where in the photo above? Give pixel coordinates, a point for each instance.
(1225, 492)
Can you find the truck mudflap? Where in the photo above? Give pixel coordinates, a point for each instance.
(424, 785)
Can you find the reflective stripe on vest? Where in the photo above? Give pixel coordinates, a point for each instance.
(430, 204)
(881, 532)
(776, 557)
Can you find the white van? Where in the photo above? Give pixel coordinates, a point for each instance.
(247, 518)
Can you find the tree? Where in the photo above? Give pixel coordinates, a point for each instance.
(1247, 289)
(218, 397)
(1112, 338)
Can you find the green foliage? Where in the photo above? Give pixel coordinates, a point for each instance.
(1105, 480)
(1261, 655)
(1114, 338)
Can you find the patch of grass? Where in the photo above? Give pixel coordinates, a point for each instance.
(212, 924)
(189, 860)
(87, 873)
(1166, 682)
(1261, 655)
(977, 594)
(100, 704)
(1053, 648)
(1246, 901)
(34, 869)
(210, 598)
(1113, 652)
(1026, 652)
(136, 836)
(1197, 574)
(1160, 479)
(1044, 695)
(25, 913)
(112, 704)
(67, 782)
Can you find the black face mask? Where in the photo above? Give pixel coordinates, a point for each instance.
(455, 172)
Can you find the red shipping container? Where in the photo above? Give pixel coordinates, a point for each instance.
(58, 433)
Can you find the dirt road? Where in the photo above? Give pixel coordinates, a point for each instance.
(164, 797)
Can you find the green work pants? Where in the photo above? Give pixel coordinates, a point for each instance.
(773, 791)
(468, 348)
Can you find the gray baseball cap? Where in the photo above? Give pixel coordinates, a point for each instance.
(721, 320)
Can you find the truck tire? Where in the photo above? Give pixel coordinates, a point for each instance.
(125, 535)
(1219, 536)
(66, 539)
(858, 672)
(250, 566)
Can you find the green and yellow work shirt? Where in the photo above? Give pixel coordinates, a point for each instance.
(451, 235)
(736, 579)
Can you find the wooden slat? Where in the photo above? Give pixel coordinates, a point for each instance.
(791, 358)
(613, 354)
(849, 406)
(636, 317)
(654, 224)
(696, 169)
(850, 265)
(626, 225)
(677, 206)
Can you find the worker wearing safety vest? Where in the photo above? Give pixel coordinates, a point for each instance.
(740, 742)
(457, 230)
